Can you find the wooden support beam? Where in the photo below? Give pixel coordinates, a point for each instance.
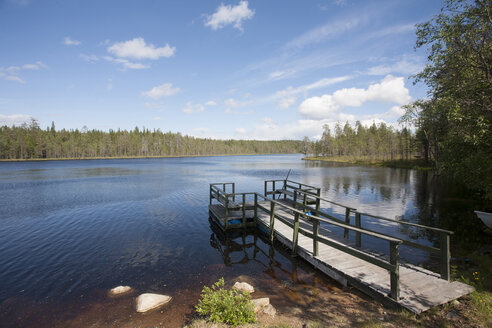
(357, 233)
(445, 255)
(295, 236)
(395, 271)
(272, 221)
(347, 221)
(315, 237)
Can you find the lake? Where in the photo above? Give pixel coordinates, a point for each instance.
(71, 230)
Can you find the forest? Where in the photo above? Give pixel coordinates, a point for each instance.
(378, 142)
(29, 141)
(453, 124)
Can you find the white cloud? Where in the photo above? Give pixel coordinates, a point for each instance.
(126, 63)
(69, 42)
(328, 31)
(36, 66)
(16, 119)
(406, 65)
(14, 78)
(229, 111)
(89, 58)
(210, 103)
(11, 73)
(318, 107)
(390, 90)
(163, 90)
(288, 96)
(391, 30)
(241, 131)
(190, 108)
(233, 103)
(138, 49)
(155, 105)
(226, 15)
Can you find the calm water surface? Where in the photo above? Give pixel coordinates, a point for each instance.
(72, 229)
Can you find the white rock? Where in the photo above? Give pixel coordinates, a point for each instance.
(119, 290)
(259, 303)
(270, 310)
(149, 301)
(244, 287)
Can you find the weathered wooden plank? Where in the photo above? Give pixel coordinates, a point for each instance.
(338, 258)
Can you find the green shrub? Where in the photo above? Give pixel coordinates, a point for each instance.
(225, 305)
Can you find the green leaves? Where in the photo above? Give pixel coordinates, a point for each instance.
(457, 119)
(225, 305)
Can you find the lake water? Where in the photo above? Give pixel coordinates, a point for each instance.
(70, 230)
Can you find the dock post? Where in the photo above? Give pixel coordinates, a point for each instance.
(315, 237)
(272, 220)
(357, 233)
(256, 208)
(296, 234)
(285, 188)
(273, 190)
(265, 188)
(304, 203)
(244, 210)
(210, 194)
(318, 202)
(226, 211)
(445, 255)
(395, 271)
(295, 198)
(233, 192)
(347, 221)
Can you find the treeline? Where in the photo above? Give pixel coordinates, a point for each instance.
(455, 120)
(29, 141)
(379, 142)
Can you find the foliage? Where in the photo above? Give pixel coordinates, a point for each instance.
(375, 143)
(456, 120)
(31, 142)
(225, 305)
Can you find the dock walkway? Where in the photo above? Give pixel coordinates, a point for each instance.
(296, 220)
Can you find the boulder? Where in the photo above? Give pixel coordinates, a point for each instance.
(119, 290)
(270, 310)
(259, 303)
(149, 301)
(244, 287)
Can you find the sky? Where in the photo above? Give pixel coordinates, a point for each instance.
(216, 69)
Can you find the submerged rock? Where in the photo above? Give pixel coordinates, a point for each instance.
(149, 301)
(119, 290)
(244, 287)
(260, 303)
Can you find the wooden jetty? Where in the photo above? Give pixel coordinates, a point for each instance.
(292, 213)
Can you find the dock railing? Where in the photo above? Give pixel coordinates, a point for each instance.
(228, 200)
(392, 265)
(444, 235)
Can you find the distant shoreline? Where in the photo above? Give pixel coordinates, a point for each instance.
(415, 164)
(128, 157)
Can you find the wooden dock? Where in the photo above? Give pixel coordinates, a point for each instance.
(296, 220)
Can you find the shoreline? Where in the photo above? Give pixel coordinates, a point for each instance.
(400, 164)
(7, 160)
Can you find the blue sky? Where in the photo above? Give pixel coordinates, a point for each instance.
(216, 69)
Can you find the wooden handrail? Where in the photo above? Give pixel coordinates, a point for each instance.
(392, 265)
(342, 225)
